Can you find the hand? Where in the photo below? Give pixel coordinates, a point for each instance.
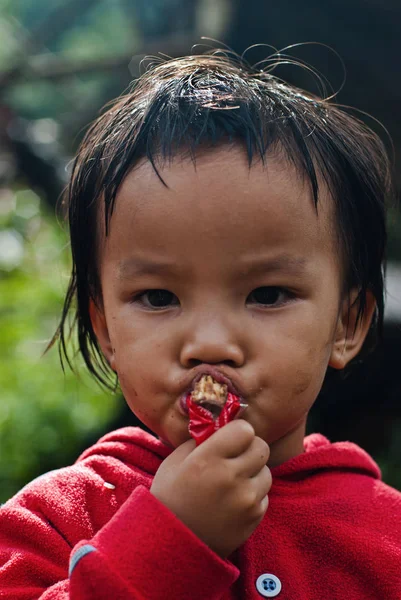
(218, 489)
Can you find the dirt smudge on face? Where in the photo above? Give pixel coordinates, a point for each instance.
(302, 381)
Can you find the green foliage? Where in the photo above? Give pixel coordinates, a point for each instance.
(101, 31)
(96, 36)
(44, 413)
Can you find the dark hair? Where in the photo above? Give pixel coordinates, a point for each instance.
(188, 104)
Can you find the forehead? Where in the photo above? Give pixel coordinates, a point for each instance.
(220, 206)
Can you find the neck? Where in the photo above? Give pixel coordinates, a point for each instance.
(288, 446)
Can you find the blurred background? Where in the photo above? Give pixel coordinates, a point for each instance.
(60, 62)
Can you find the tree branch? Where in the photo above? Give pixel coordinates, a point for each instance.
(57, 68)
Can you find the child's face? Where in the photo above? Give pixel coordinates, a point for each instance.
(250, 278)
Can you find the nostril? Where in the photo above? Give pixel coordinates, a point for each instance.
(194, 362)
(229, 363)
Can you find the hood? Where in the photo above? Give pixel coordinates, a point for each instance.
(321, 455)
(143, 451)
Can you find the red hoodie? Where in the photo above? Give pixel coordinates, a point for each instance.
(94, 531)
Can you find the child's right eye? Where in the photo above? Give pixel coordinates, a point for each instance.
(156, 299)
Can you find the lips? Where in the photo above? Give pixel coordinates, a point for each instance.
(218, 376)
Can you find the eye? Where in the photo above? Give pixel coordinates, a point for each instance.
(157, 299)
(269, 296)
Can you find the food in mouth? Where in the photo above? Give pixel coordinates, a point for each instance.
(210, 406)
(210, 394)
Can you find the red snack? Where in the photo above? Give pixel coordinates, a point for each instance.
(210, 407)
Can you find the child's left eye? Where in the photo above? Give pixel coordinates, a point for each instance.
(269, 296)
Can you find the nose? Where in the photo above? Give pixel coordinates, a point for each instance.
(212, 340)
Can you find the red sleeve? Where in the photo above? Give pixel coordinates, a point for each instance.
(143, 552)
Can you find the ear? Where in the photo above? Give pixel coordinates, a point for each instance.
(99, 325)
(347, 343)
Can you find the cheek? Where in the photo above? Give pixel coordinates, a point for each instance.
(132, 346)
(303, 380)
(297, 362)
(133, 363)
(139, 358)
(136, 392)
(309, 370)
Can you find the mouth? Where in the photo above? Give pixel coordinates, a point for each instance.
(214, 408)
(210, 395)
(210, 407)
(209, 390)
(218, 378)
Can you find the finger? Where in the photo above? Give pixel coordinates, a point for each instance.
(264, 503)
(253, 459)
(260, 508)
(181, 452)
(263, 482)
(231, 440)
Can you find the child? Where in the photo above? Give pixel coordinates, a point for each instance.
(222, 223)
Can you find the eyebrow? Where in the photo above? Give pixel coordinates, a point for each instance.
(293, 265)
(134, 267)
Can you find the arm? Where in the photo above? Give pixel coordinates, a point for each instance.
(143, 551)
